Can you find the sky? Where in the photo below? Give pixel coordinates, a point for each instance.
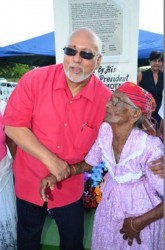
(24, 19)
(151, 15)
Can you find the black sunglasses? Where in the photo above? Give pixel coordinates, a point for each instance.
(83, 54)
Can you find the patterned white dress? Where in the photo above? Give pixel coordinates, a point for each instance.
(8, 218)
(130, 189)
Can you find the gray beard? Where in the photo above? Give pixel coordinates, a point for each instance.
(78, 79)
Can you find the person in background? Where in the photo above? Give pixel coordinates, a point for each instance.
(131, 207)
(53, 115)
(152, 80)
(8, 216)
(161, 113)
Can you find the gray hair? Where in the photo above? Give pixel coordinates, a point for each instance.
(139, 123)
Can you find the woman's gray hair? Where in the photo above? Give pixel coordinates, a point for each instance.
(139, 122)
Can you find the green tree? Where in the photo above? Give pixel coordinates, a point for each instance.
(13, 71)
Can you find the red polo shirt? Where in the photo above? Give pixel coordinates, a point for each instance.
(66, 125)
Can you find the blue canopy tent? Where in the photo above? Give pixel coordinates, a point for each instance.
(148, 41)
(40, 51)
(40, 45)
(37, 51)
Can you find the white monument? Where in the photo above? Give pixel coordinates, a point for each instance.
(117, 24)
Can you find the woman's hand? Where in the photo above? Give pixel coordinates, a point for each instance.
(47, 183)
(133, 225)
(130, 231)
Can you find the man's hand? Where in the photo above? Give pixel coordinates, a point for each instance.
(59, 168)
(157, 167)
(48, 182)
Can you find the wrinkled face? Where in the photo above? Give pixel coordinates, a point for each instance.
(77, 68)
(156, 64)
(119, 109)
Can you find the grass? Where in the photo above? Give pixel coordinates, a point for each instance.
(47, 247)
(50, 235)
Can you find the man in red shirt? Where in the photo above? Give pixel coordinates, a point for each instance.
(54, 115)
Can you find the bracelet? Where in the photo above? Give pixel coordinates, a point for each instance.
(134, 229)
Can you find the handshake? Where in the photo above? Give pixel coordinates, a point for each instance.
(48, 183)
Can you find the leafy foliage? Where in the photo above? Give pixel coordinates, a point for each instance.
(13, 71)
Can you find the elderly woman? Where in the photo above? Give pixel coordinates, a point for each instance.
(131, 208)
(130, 213)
